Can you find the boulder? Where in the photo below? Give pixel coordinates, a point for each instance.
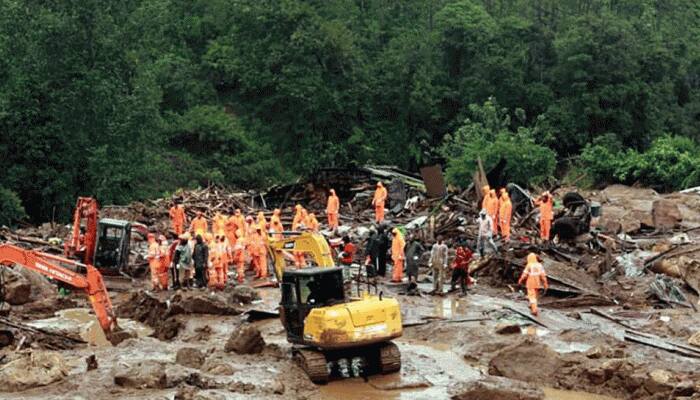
(18, 289)
(695, 339)
(495, 388)
(244, 294)
(659, 381)
(507, 329)
(190, 357)
(202, 303)
(665, 214)
(143, 375)
(515, 362)
(246, 340)
(39, 368)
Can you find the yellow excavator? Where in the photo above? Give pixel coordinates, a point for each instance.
(335, 334)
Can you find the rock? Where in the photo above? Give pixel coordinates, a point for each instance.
(685, 388)
(217, 367)
(596, 375)
(39, 368)
(143, 375)
(41, 287)
(277, 387)
(18, 290)
(635, 381)
(595, 353)
(202, 303)
(146, 308)
(246, 340)
(243, 294)
(515, 362)
(241, 387)
(190, 357)
(91, 362)
(695, 339)
(659, 381)
(665, 214)
(495, 388)
(507, 329)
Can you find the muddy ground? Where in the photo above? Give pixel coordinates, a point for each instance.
(452, 343)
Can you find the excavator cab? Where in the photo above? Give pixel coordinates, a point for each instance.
(112, 247)
(304, 290)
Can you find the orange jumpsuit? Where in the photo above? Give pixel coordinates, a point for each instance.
(485, 196)
(492, 206)
(397, 255)
(262, 224)
(258, 254)
(299, 219)
(546, 215)
(164, 264)
(177, 219)
(154, 261)
(276, 224)
(535, 278)
(240, 223)
(332, 209)
(504, 215)
(199, 226)
(378, 202)
(214, 265)
(217, 274)
(230, 229)
(239, 257)
(218, 225)
(312, 223)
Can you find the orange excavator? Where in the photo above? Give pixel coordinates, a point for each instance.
(67, 271)
(103, 243)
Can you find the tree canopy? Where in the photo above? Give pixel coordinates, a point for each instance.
(134, 99)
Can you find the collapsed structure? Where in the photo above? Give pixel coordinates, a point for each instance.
(623, 256)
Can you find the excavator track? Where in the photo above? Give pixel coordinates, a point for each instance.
(389, 358)
(314, 364)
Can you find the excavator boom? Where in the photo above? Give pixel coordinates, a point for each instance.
(65, 270)
(304, 242)
(82, 245)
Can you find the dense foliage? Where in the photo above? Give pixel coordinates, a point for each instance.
(132, 99)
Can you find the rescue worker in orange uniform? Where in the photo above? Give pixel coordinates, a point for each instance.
(230, 229)
(535, 279)
(164, 263)
(220, 259)
(546, 204)
(492, 209)
(250, 225)
(485, 196)
(240, 222)
(298, 217)
(218, 225)
(214, 264)
(332, 210)
(258, 254)
(199, 226)
(276, 226)
(312, 223)
(505, 213)
(397, 255)
(379, 201)
(239, 255)
(177, 219)
(154, 260)
(262, 224)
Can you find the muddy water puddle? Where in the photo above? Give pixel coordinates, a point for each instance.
(85, 324)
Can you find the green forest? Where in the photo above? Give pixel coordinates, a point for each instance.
(127, 100)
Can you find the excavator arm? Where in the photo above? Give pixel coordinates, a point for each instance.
(83, 245)
(61, 269)
(305, 242)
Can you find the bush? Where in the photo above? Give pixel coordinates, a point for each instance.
(670, 163)
(11, 209)
(489, 137)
